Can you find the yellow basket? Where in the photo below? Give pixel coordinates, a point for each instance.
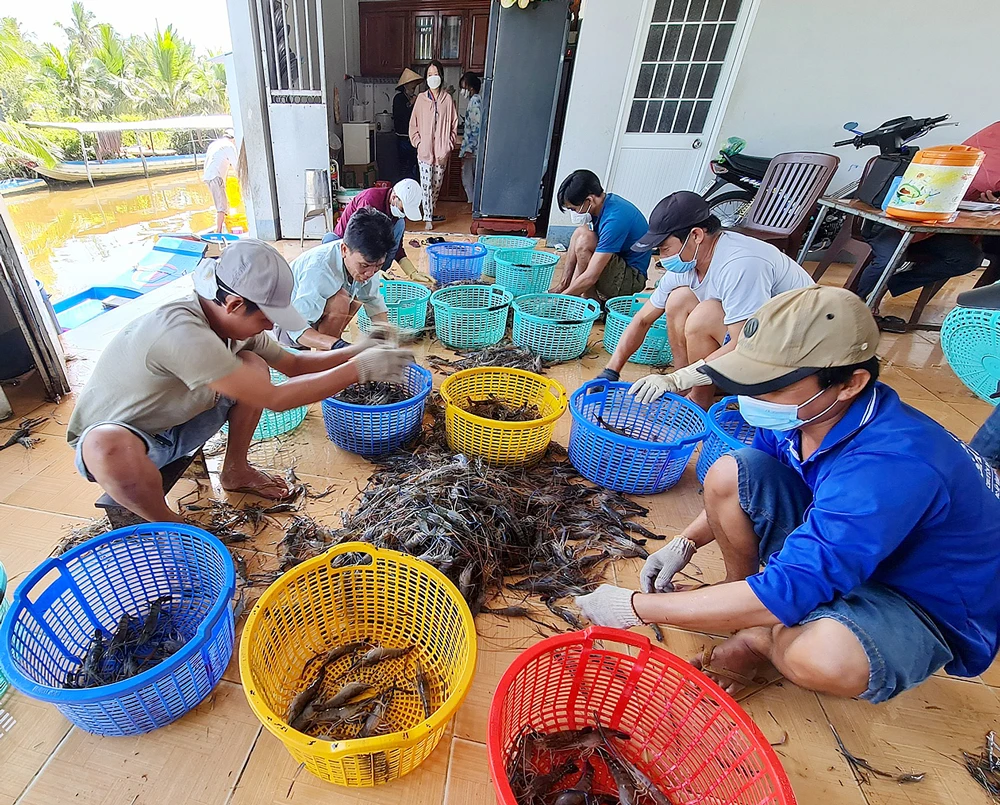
(511, 443)
(393, 600)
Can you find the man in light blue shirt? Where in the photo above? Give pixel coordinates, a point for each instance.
(333, 280)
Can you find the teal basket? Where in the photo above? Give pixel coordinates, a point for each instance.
(655, 349)
(4, 606)
(275, 423)
(970, 340)
(494, 243)
(554, 326)
(524, 272)
(470, 316)
(407, 303)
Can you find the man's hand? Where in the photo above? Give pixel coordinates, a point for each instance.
(662, 565)
(609, 606)
(651, 387)
(990, 196)
(413, 274)
(383, 363)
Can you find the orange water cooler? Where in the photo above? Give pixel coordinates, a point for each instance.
(935, 182)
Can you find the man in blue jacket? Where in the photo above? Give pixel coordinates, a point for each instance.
(861, 539)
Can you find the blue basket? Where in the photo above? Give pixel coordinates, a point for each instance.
(658, 442)
(727, 431)
(454, 262)
(493, 243)
(525, 272)
(4, 606)
(470, 316)
(970, 340)
(554, 326)
(374, 430)
(655, 349)
(407, 303)
(55, 611)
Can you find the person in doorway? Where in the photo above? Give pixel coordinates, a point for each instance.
(400, 202)
(220, 157)
(402, 107)
(172, 378)
(471, 127)
(934, 257)
(334, 279)
(714, 282)
(600, 261)
(434, 133)
(869, 584)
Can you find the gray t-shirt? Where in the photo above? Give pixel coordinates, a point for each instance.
(155, 373)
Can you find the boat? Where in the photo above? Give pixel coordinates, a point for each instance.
(94, 170)
(13, 187)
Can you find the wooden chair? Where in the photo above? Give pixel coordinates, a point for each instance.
(788, 194)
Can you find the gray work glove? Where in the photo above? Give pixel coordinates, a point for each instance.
(651, 387)
(609, 606)
(661, 566)
(383, 363)
(609, 374)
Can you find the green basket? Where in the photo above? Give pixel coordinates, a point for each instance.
(494, 243)
(523, 271)
(4, 606)
(275, 423)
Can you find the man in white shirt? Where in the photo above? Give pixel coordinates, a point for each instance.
(220, 156)
(714, 282)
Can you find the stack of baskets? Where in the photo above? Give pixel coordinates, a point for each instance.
(276, 423)
(628, 446)
(494, 243)
(470, 316)
(4, 606)
(525, 272)
(553, 326)
(455, 262)
(727, 431)
(407, 304)
(655, 349)
(374, 430)
(503, 443)
(58, 607)
(970, 339)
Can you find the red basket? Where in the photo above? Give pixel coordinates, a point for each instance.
(689, 736)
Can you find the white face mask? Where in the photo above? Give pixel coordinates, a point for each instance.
(581, 218)
(433, 81)
(396, 211)
(466, 93)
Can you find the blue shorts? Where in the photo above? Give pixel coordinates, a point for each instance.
(169, 445)
(903, 645)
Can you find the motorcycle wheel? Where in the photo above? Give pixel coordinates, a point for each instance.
(730, 208)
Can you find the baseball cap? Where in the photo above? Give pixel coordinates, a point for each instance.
(410, 194)
(793, 336)
(677, 211)
(257, 272)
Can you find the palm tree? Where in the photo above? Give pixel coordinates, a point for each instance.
(79, 80)
(81, 31)
(210, 86)
(165, 67)
(18, 143)
(111, 63)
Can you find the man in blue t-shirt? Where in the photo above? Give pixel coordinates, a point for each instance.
(878, 531)
(600, 261)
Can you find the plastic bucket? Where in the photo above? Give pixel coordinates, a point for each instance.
(935, 182)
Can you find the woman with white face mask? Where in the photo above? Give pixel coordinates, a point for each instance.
(434, 133)
(471, 127)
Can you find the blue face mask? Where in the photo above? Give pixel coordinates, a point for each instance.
(777, 416)
(675, 264)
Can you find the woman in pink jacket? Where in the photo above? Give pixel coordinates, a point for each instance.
(434, 133)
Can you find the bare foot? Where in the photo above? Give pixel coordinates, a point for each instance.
(429, 226)
(734, 665)
(252, 480)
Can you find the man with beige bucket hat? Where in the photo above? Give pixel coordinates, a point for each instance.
(861, 540)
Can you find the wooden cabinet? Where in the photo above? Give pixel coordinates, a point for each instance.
(410, 33)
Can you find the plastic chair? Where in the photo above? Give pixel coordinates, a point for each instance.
(848, 240)
(788, 193)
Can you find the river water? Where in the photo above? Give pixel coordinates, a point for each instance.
(87, 235)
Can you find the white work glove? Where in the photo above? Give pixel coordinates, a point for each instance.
(380, 335)
(651, 387)
(383, 363)
(414, 274)
(662, 565)
(609, 606)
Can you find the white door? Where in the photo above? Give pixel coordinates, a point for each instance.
(685, 57)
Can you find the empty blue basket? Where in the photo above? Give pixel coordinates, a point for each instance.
(454, 262)
(494, 243)
(407, 303)
(470, 316)
(970, 340)
(525, 272)
(727, 431)
(554, 326)
(655, 349)
(622, 444)
(58, 607)
(374, 430)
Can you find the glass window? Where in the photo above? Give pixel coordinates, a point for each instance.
(423, 38)
(451, 37)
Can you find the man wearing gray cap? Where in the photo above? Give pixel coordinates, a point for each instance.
(861, 540)
(714, 282)
(169, 380)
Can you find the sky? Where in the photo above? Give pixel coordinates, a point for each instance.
(203, 22)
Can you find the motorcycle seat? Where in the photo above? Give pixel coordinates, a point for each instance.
(755, 167)
(985, 298)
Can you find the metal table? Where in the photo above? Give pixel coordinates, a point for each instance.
(966, 223)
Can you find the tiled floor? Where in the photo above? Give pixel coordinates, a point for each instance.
(220, 754)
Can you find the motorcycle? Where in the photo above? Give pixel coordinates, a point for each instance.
(740, 175)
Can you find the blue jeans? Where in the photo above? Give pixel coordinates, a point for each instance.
(986, 442)
(902, 643)
(398, 230)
